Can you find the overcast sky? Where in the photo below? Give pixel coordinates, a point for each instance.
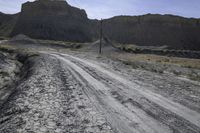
(109, 8)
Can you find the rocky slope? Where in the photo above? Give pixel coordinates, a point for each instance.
(11, 66)
(173, 31)
(55, 20)
(7, 23)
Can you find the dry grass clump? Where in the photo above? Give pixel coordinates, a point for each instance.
(183, 62)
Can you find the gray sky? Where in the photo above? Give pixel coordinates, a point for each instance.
(108, 8)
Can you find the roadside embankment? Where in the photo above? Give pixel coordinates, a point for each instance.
(13, 68)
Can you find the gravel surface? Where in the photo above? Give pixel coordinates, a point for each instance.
(82, 93)
(133, 99)
(49, 100)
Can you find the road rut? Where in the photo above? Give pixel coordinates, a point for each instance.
(127, 106)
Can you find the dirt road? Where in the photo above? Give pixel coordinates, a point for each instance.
(67, 93)
(129, 107)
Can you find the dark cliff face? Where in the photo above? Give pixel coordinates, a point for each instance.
(173, 31)
(57, 20)
(7, 23)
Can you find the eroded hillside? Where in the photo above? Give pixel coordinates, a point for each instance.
(57, 20)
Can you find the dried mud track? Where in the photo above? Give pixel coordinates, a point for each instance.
(127, 106)
(64, 93)
(48, 99)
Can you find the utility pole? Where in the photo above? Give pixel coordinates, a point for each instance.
(101, 35)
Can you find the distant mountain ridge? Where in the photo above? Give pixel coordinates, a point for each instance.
(57, 20)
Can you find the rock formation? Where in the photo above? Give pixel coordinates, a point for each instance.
(7, 23)
(57, 20)
(155, 30)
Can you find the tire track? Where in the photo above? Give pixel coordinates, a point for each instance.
(121, 118)
(135, 101)
(190, 116)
